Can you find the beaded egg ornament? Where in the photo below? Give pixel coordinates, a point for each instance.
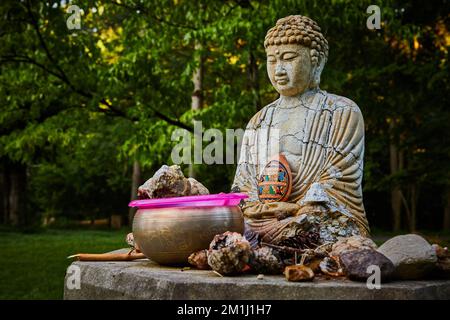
(275, 182)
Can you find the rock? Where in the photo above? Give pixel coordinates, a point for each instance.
(265, 260)
(130, 240)
(316, 194)
(352, 243)
(441, 252)
(356, 262)
(166, 182)
(199, 260)
(443, 262)
(197, 188)
(412, 256)
(298, 273)
(229, 253)
(170, 182)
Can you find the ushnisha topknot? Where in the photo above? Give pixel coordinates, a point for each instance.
(299, 30)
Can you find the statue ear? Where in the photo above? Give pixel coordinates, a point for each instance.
(316, 72)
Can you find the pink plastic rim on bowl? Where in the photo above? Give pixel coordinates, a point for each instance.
(209, 200)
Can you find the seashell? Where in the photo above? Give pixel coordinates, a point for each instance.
(298, 273)
(275, 183)
(331, 267)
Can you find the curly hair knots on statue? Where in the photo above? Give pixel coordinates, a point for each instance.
(299, 30)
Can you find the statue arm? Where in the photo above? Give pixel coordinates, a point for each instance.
(259, 210)
(344, 166)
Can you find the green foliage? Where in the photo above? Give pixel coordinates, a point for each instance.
(80, 106)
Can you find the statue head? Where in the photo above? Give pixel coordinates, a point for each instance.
(296, 54)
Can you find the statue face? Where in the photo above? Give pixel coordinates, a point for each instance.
(289, 68)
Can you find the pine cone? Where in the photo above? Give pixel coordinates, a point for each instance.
(302, 240)
(229, 253)
(266, 260)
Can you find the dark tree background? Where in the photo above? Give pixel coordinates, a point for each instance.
(86, 115)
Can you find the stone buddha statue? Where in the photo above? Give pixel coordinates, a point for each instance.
(320, 136)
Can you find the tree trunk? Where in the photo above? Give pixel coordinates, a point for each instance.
(447, 212)
(4, 194)
(197, 94)
(253, 76)
(396, 199)
(17, 196)
(135, 183)
(197, 79)
(413, 201)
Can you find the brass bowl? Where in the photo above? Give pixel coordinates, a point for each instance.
(169, 235)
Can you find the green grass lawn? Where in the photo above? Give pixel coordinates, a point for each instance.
(33, 266)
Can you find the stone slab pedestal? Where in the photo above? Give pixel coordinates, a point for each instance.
(144, 279)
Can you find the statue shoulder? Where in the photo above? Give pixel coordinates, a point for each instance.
(344, 110)
(261, 116)
(335, 102)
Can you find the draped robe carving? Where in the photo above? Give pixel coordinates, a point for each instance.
(322, 138)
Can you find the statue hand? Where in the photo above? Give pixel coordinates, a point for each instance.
(281, 215)
(311, 208)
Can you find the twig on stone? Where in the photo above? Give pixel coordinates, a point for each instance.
(291, 250)
(220, 275)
